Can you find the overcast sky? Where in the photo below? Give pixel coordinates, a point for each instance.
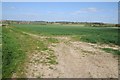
(61, 11)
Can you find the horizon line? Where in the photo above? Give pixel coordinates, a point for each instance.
(62, 21)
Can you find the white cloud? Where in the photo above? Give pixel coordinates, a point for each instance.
(9, 7)
(92, 9)
(12, 7)
(86, 10)
(55, 12)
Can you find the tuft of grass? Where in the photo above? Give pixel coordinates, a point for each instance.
(51, 59)
(52, 40)
(110, 50)
(53, 62)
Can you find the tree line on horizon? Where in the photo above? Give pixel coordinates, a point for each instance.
(94, 24)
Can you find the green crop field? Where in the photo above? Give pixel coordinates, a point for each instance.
(89, 34)
(16, 44)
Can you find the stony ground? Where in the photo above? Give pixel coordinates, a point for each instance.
(75, 60)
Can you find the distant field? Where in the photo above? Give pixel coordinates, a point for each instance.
(83, 33)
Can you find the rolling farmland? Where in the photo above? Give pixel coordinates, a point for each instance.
(89, 34)
(57, 39)
(55, 50)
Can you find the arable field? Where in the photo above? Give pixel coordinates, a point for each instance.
(85, 33)
(60, 51)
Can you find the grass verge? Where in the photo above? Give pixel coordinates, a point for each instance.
(12, 56)
(110, 50)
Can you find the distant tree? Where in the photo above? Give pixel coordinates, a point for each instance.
(117, 25)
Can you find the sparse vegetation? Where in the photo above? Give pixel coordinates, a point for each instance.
(110, 50)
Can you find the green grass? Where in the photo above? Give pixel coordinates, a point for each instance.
(0, 52)
(12, 56)
(89, 34)
(52, 40)
(110, 50)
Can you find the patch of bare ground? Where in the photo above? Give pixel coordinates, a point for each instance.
(75, 60)
(60, 38)
(112, 46)
(38, 65)
(81, 60)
